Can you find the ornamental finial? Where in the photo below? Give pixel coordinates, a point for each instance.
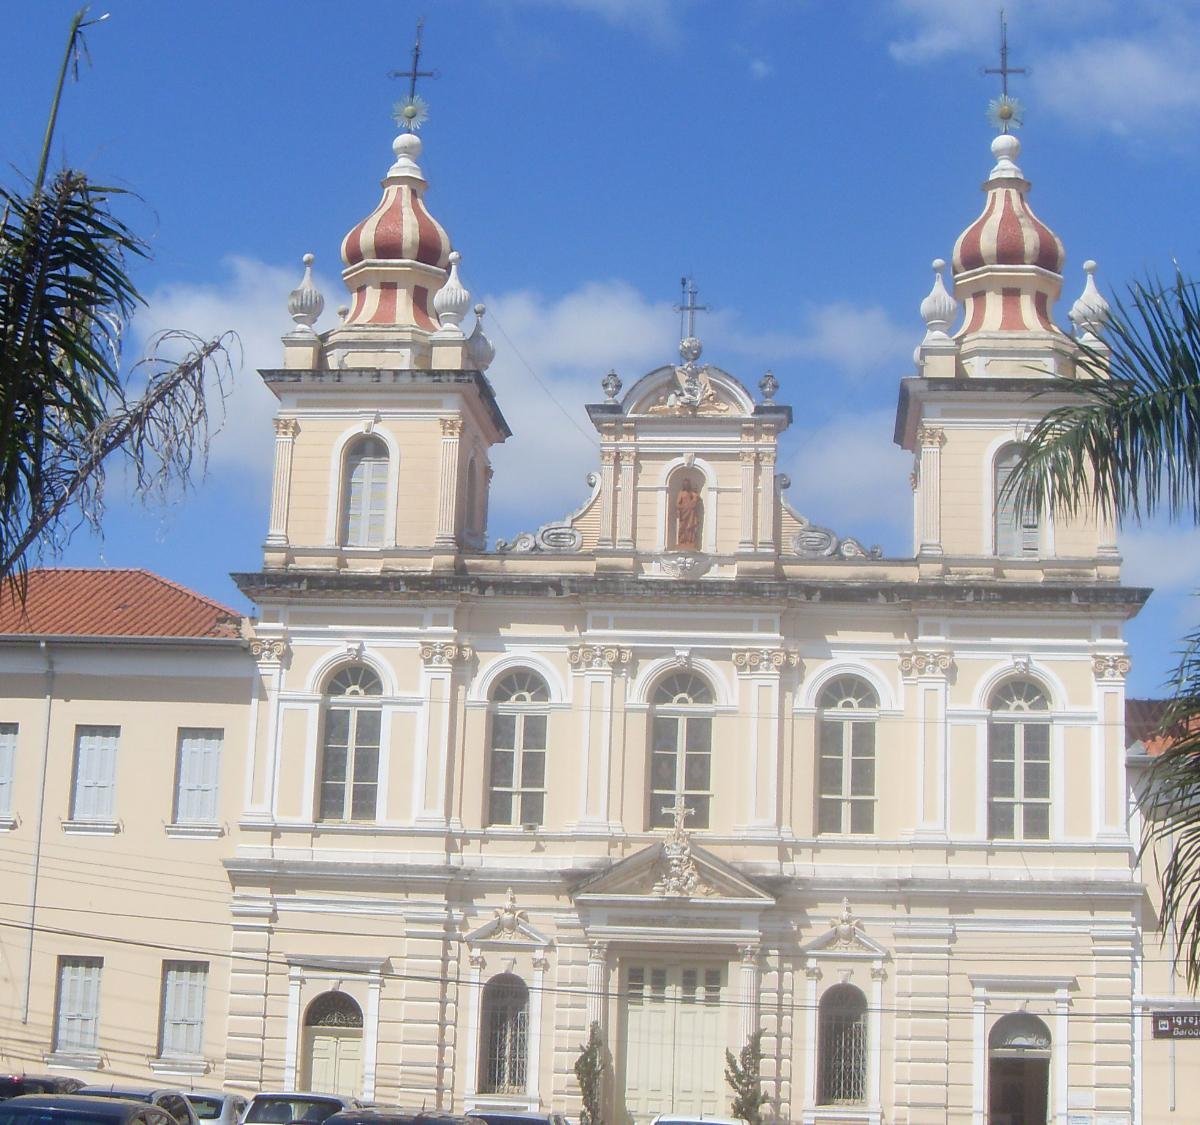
(1090, 312)
(939, 307)
(452, 300)
(305, 303)
(480, 351)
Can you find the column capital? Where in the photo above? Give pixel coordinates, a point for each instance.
(925, 662)
(931, 437)
(540, 961)
(1111, 666)
(476, 959)
(451, 427)
(442, 654)
(612, 658)
(270, 650)
(750, 955)
(285, 427)
(597, 949)
(751, 660)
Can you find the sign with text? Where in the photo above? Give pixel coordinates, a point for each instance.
(1177, 1025)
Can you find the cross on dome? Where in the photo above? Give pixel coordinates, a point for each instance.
(1004, 112)
(689, 344)
(413, 111)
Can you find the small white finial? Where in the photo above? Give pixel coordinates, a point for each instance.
(1006, 148)
(1090, 312)
(452, 300)
(343, 311)
(305, 304)
(480, 352)
(939, 307)
(407, 147)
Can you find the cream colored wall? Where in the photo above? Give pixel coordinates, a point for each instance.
(135, 897)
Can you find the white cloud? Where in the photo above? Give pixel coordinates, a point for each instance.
(657, 19)
(850, 476)
(1166, 558)
(760, 69)
(250, 301)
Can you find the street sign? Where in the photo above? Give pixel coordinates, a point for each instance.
(1177, 1025)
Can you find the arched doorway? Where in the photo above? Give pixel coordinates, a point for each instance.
(333, 1054)
(1018, 1071)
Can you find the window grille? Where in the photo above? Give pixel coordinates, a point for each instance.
(8, 752)
(1019, 763)
(681, 753)
(94, 781)
(197, 775)
(364, 499)
(1017, 533)
(77, 1011)
(350, 745)
(505, 1032)
(848, 709)
(181, 1029)
(842, 1046)
(333, 1009)
(517, 793)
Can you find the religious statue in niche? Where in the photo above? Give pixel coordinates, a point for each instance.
(689, 516)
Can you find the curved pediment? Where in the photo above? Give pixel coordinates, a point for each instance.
(689, 390)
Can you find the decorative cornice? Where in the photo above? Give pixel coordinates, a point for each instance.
(919, 662)
(1111, 666)
(599, 657)
(750, 660)
(445, 653)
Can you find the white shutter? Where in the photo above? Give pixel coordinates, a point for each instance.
(78, 1016)
(184, 984)
(198, 775)
(8, 750)
(95, 772)
(1017, 533)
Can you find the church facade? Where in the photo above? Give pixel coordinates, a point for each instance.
(680, 763)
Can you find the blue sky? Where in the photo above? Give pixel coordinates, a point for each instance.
(803, 160)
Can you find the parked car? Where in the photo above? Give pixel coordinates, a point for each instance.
(388, 1115)
(696, 1119)
(175, 1102)
(505, 1117)
(218, 1107)
(14, 1085)
(279, 1108)
(80, 1109)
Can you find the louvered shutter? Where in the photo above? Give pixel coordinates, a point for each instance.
(184, 984)
(1017, 533)
(198, 775)
(78, 1015)
(95, 772)
(8, 750)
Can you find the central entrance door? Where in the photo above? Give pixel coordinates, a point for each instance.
(673, 1039)
(1019, 1071)
(333, 1048)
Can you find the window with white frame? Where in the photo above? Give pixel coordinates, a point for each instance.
(8, 758)
(364, 493)
(503, 1062)
(1017, 529)
(1019, 762)
(351, 721)
(77, 1006)
(181, 1023)
(93, 784)
(842, 1046)
(848, 708)
(681, 751)
(197, 773)
(519, 714)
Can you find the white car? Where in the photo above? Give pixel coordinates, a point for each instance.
(696, 1119)
(218, 1107)
(282, 1108)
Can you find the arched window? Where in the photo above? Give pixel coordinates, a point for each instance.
(502, 1062)
(846, 769)
(1017, 532)
(519, 711)
(350, 745)
(842, 1046)
(364, 493)
(681, 752)
(1019, 1070)
(1019, 762)
(333, 1009)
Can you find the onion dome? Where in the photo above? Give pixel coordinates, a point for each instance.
(1008, 233)
(938, 308)
(400, 228)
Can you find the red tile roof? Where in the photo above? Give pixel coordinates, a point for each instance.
(110, 603)
(1143, 720)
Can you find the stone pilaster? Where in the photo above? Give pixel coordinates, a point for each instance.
(625, 500)
(929, 489)
(448, 484)
(431, 785)
(929, 668)
(286, 430)
(600, 668)
(766, 500)
(608, 488)
(749, 461)
(759, 684)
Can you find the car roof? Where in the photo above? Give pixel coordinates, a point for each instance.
(138, 1091)
(302, 1094)
(66, 1101)
(685, 1118)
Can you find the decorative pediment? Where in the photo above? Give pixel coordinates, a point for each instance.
(672, 870)
(688, 390)
(509, 927)
(844, 938)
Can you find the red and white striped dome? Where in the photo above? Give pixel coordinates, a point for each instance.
(400, 228)
(1008, 233)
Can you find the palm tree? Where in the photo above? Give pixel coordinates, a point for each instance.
(1128, 449)
(67, 404)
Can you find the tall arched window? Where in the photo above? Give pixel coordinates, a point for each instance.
(364, 493)
(846, 801)
(842, 1046)
(505, 1047)
(519, 710)
(1017, 531)
(1019, 1070)
(350, 745)
(681, 752)
(1019, 762)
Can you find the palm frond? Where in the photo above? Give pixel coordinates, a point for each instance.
(1130, 446)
